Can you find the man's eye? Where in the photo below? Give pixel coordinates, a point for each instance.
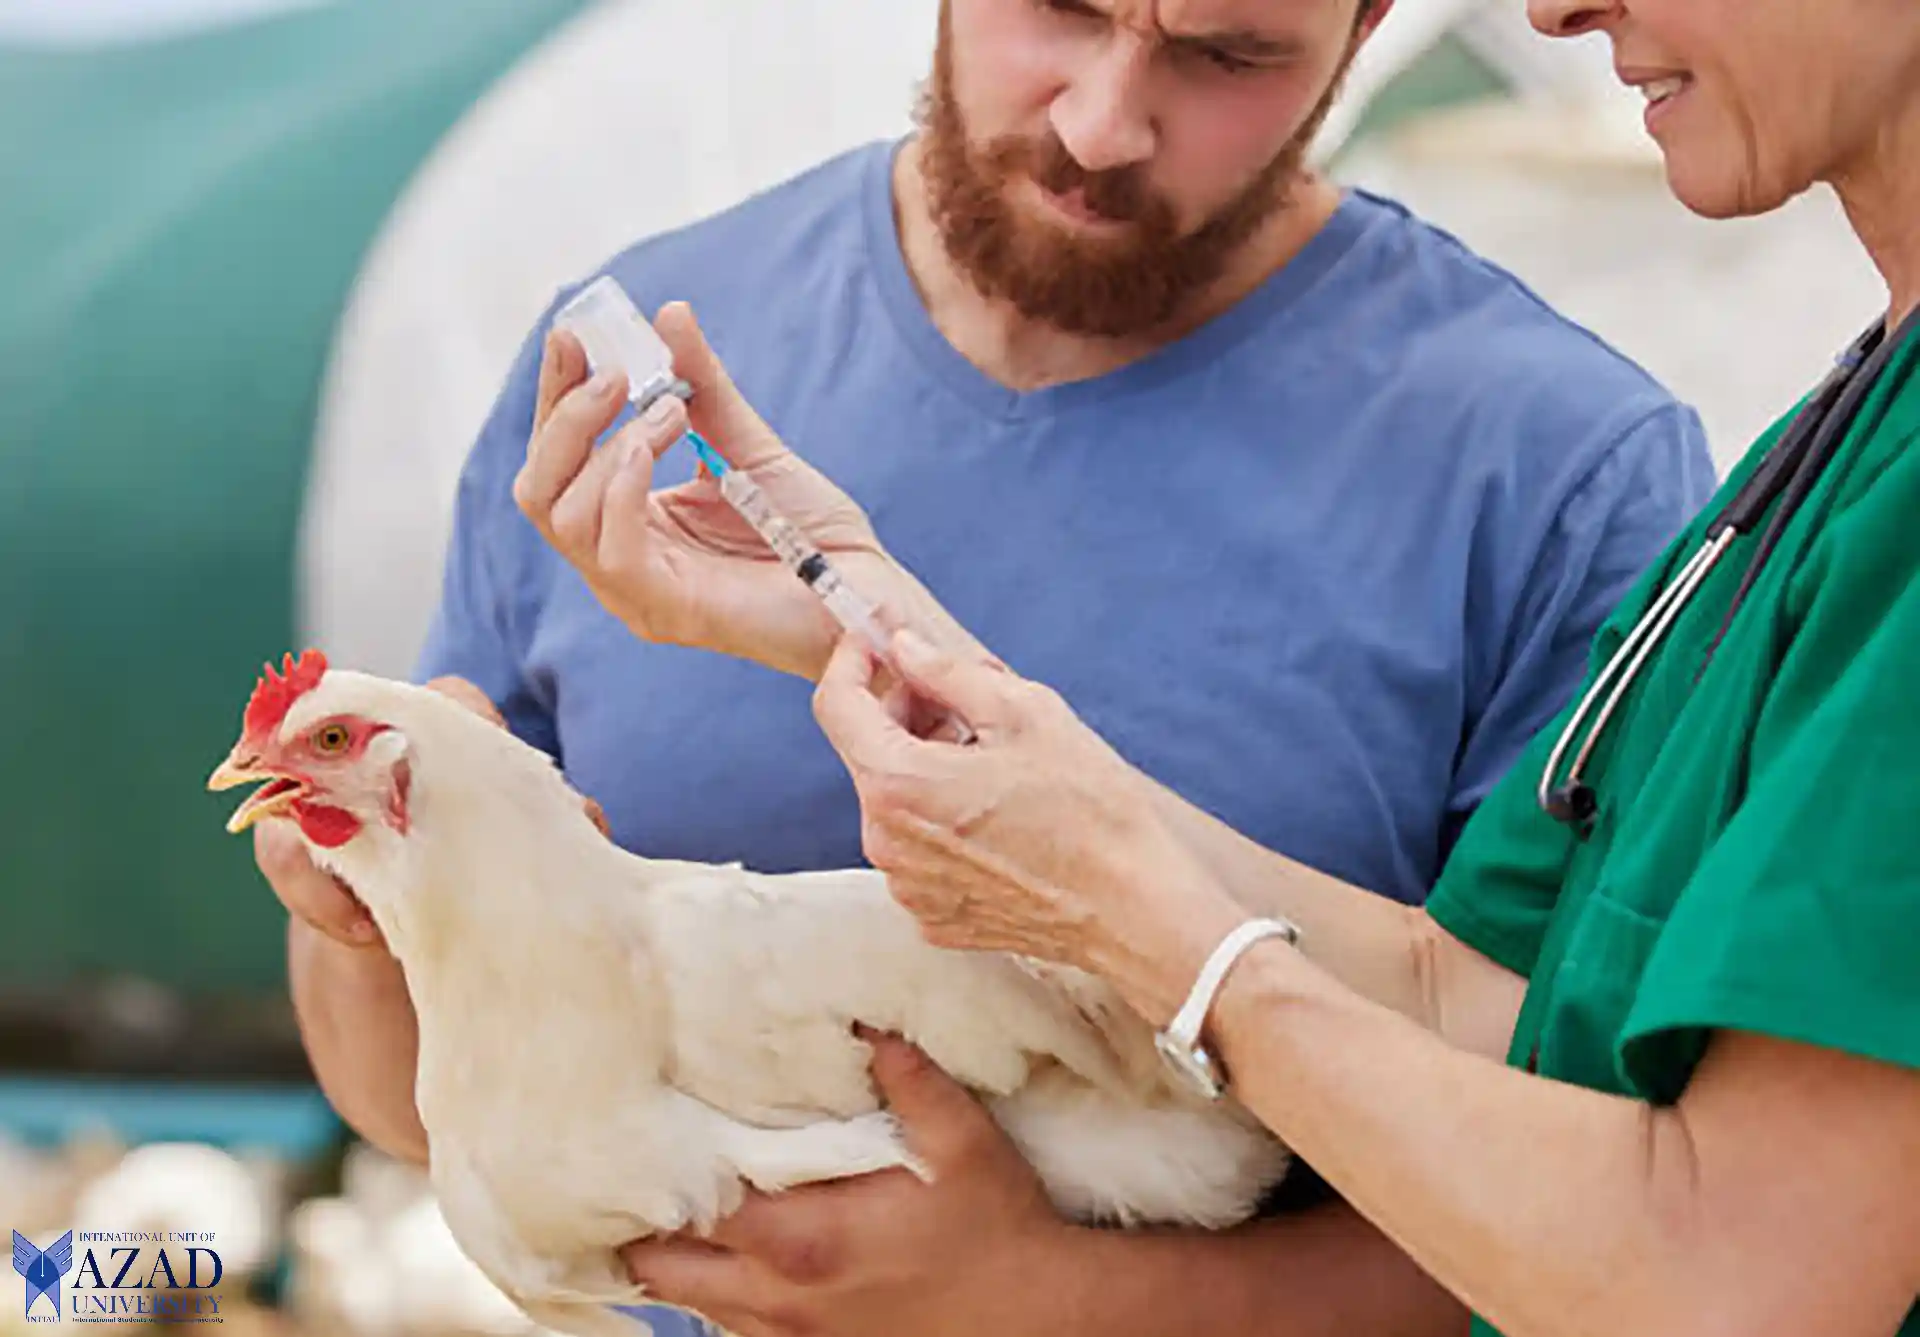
(1075, 8)
(1215, 58)
(1230, 63)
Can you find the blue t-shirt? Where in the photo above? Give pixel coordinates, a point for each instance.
(1323, 566)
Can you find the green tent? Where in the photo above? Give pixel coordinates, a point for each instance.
(181, 220)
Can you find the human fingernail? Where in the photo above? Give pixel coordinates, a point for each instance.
(361, 930)
(601, 385)
(659, 412)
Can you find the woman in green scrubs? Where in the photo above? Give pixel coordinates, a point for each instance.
(1649, 1059)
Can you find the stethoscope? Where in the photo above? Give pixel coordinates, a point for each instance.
(1787, 474)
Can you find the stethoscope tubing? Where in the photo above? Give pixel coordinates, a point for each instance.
(1789, 472)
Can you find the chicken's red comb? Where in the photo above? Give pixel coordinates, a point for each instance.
(275, 693)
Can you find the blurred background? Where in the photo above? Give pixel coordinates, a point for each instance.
(262, 266)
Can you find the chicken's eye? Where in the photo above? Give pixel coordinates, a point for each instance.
(331, 738)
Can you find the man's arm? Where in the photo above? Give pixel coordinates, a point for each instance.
(1324, 1272)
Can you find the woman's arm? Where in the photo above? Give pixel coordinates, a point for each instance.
(1385, 950)
(1553, 1210)
(1381, 949)
(1038, 771)
(1781, 1195)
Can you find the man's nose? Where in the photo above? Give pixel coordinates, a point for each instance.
(1570, 18)
(1102, 116)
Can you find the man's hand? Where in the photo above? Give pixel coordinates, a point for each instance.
(979, 1250)
(679, 565)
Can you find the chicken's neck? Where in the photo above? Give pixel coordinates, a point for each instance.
(501, 890)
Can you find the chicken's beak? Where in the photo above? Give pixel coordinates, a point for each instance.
(278, 792)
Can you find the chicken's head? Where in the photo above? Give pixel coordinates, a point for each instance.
(320, 758)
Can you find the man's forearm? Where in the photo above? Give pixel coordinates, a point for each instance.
(347, 1001)
(915, 606)
(1319, 1273)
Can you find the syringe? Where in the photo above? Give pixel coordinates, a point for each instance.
(615, 334)
(850, 608)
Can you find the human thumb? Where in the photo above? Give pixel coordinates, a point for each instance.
(977, 690)
(944, 1123)
(718, 410)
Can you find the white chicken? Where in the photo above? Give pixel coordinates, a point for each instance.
(170, 1188)
(614, 1046)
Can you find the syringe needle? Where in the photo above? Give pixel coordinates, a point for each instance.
(850, 608)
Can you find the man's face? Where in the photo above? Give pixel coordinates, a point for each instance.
(1096, 163)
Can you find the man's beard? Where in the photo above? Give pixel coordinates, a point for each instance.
(1108, 287)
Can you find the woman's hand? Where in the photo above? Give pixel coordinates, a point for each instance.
(679, 565)
(1036, 838)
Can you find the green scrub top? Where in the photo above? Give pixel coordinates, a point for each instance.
(1754, 862)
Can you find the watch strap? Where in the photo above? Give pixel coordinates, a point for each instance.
(1192, 1016)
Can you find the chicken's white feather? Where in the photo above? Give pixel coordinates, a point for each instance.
(613, 1046)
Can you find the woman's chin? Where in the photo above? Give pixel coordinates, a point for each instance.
(1701, 183)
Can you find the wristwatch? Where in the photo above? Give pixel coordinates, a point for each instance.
(1179, 1043)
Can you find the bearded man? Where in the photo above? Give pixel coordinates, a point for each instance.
(1305, 507)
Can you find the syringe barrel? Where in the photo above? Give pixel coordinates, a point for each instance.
(849, 607)
(852, 610)
(785, 538)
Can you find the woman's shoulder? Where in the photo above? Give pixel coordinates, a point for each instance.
(1865, 542)
(1879, 451)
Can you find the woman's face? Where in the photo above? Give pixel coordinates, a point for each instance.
(1753, 101)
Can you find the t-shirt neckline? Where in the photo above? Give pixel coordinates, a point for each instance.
(1195, 350)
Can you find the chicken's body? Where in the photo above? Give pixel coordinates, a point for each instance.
(613, 1046)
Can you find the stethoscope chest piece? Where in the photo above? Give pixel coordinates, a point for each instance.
(1575, 804)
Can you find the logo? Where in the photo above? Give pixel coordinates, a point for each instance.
(122, 1277)
(43, 1268)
